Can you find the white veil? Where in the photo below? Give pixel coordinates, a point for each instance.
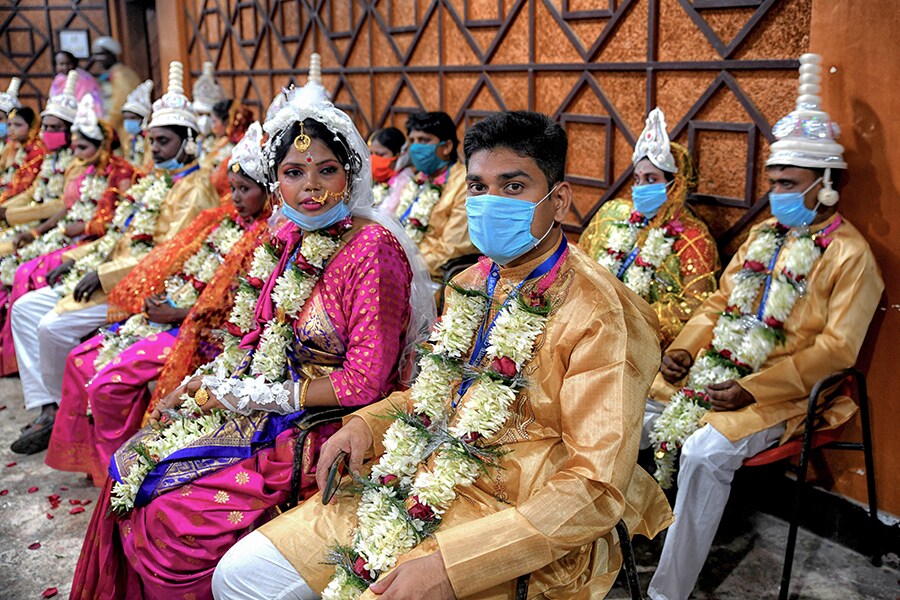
(311, 102)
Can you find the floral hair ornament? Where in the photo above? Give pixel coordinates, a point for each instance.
(65, 105)
(9, 100)
(174, 108)
(654, 144)
(247, 154)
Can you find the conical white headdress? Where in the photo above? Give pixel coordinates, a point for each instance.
(10, 98)
(248, 154)
(207, 92)
(654, 143)
(138, 100)
(86, 121)
(806, 137)
(65, 105)
(174, 108)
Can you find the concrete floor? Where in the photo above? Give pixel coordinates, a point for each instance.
(743, 565)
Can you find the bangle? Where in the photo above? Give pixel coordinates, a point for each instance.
(304, 388)
(201, 396)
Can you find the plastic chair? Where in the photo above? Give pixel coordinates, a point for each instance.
(821, 397)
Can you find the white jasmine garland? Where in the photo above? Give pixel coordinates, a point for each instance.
(270, 358)
(51, 178)
(742, 340)
(380, 193)
(453, 333)
(420, 199)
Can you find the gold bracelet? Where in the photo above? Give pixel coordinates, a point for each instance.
(201, 396)
(304, 388)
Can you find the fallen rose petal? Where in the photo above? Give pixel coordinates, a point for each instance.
(76, 510)
(74, 502)
(85, 502)
(63, 488)
(50, 592)
(11, 464)
(33, 489)
(3, 407)
(4, 492)
(53, 497)
(34, 546)
(50, 515)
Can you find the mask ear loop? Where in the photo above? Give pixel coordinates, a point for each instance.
(543, 237)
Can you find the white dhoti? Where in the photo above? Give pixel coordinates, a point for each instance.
(43, 339)
(706, 469)
(254, 568)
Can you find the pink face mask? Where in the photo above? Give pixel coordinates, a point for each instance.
(54, 140)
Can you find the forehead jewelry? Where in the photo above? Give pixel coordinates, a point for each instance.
(302, 142)
(235, 168)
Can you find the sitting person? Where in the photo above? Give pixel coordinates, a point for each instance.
(653, 242)
(135, 112)
(90, 193)
(43, 197)
(23, 152)
(329, 308)
(49, 322)
(792, 307)
(504, 456)
(229, 121)
(389, 175)
(432, 205)
(105, 383)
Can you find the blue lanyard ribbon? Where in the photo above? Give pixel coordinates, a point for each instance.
(484, 331)
(185, 173)
(631, 258)
(768, 286)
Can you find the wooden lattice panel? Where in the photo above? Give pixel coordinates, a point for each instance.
(723, 72)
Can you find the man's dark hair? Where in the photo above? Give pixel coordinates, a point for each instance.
(221, 110)
(837, 175)
(391, 138)
(435, 123)
(529, 134)
(180, 130)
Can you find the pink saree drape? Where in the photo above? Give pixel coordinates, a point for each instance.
(169, 548)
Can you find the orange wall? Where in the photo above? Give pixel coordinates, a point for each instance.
(858, 41)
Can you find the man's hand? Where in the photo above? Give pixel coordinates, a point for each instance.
(73, 230)
(354, 438)
(59, 272)
(728, 395)
(89, 284)
(159, 311)
(423, 577)
(675, 365)
(22, 239)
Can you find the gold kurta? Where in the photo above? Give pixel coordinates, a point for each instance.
(689, 272)
(570, 473)
(823, 334)
(187, 198)
(448, 226)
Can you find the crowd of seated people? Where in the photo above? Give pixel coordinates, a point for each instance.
(230, 326)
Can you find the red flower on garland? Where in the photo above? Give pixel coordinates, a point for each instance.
(417, 510)
(360, 570)
(256, 282)
(754, 265)
(505, 366)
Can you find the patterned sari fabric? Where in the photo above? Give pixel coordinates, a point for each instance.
(351, 330)
(118, 394)
(32, 275)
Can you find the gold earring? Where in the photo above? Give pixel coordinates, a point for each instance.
(302, 141)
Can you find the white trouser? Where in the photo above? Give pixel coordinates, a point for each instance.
(43, 340)
(253, 568)
(707, 466)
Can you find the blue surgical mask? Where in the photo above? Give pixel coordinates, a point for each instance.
(3, 130)
(315, 222)
(649, 198)
(132, 126)
(500, 227)
(425, 159)
(173, 164)
(790, 208)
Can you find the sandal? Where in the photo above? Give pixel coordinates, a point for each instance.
(35, 436)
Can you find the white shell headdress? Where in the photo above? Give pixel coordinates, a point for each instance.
(65, 105)
(311, 102)
(248, 154)
(174, 108)
(86, 121)
(806, 137)
(207, 92)
(654, 143)
(10, 98)
(138, 100)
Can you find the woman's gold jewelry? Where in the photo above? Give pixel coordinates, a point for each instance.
(201, 396)
(304, 388)
(302, 141)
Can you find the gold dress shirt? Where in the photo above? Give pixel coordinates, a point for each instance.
(570, 473)
(823, 334)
